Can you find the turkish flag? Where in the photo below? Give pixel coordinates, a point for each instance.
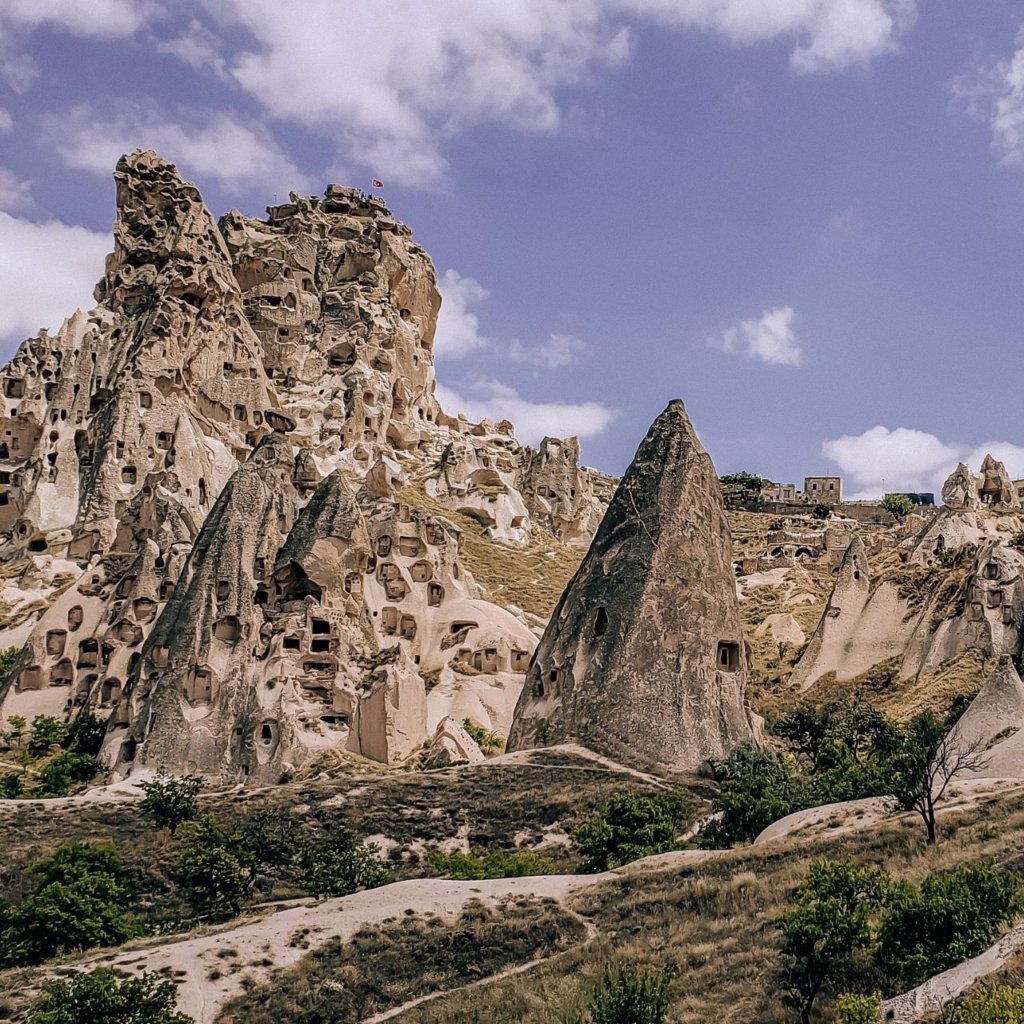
(377, 183)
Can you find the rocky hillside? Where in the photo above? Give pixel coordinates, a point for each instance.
(236, 522)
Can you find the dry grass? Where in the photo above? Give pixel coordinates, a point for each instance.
(387, 966)
(715, 924)
(532, 578)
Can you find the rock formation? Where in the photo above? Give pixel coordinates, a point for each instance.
(644, 654)
(219, 495)
(994, 724)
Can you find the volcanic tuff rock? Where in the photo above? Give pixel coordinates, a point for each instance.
(208, 495)
(644, 654)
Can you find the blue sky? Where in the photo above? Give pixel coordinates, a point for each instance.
(803, 217)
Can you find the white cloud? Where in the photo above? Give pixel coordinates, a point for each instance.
(393, 88)
(47, 270)
(100, 19)
(904, 459)
(458, 329)
(994, 92)
(6, 121)
(770, 338)
(197, 46)
(533, 420)
(559, 350)
(215, 146)
(15, 193)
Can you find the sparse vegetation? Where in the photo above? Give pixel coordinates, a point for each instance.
(496, 864)
(170, 800)
(630, 995)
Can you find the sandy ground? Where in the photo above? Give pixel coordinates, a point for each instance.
(211, 967)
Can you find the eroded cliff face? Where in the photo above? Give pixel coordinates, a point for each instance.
(204, 495)
(644, 655)
(941, 611)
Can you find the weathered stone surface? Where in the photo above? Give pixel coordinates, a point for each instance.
(960, 491)
(200, 480)
(644, 655)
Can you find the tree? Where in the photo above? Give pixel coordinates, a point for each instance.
(12, 787)
(212, 867)
(923, 763)
(8, 660)
(61, 773)
(631, 995)
(835, 919)
(101, 997)
(898, 505)
(757, 786)
(170, 801)
(751, 481)
(16, 726)
(85, 735)
(336, 863)
(78, 904)
(47, 732)
(951, 918)
(630, 826)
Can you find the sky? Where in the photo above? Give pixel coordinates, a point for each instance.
(805, 218)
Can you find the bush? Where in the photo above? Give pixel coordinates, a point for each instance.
(12, 787)
(85, 735)
(101, 997)
(213, 867)
(489, 742)
(497, 864)
(630, 826)
(630, 995)
(8, 659)
(62, 773)
(79, 904)
(989, 1004)
(852, 1008)
(951, 918)
(337, 863)
(758, 786)
(170, 801)
(46, 733)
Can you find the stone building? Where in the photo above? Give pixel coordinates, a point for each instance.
(823, 490)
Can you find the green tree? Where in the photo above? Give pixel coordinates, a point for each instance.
(78, 904)
(170, 800)
(336, 863)
(751, 481)
(100, 996)
(16, 726)
(952, 917)
(757, 786)
(66, 770)
(630, 826)
(924, 761)
(631, 995)
(833, 923)
(898, 505)
(47, 732)
(213, 867)
(85, 735)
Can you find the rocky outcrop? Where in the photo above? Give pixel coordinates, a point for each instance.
(209, 487)
(965, 491)
(644, 655)
(993, 725)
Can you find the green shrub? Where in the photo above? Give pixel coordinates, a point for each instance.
(488, 742)
(78, 904)
(337, 863)
(758, 786)
(85, 735)
(852, 1008)
(898, 505)
(630, 826)
(630, 995)
(989, 1004)
(170, 800)
(213, 867)
(12, 787)
(497, 864)
(952, 917)
(101, 997)
(8, 659)
(65, 771)
(46, 732)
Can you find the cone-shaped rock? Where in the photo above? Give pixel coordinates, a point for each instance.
(644, 655)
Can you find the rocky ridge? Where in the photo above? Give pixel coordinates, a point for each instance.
(202, 495)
